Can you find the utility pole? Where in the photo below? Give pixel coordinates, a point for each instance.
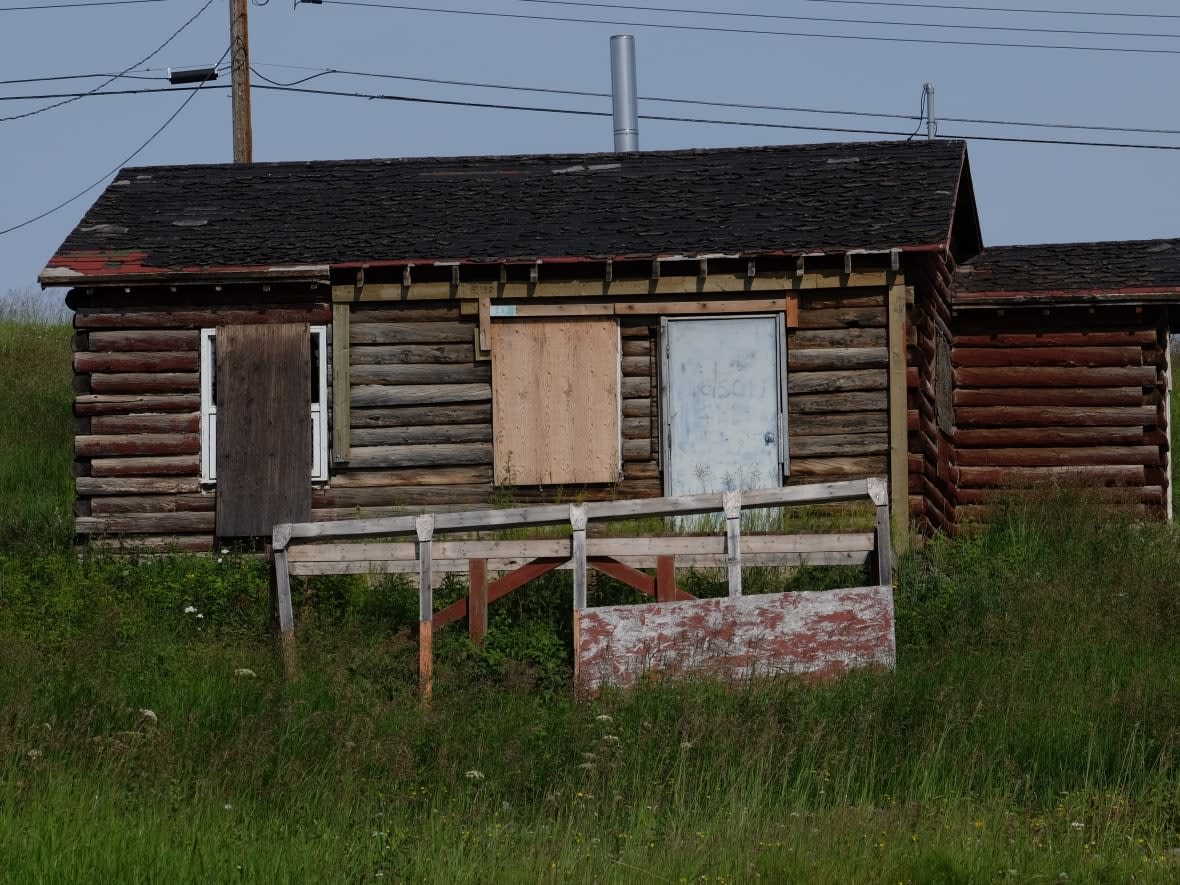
(239, 37)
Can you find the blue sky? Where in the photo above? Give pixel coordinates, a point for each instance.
(1026, 192)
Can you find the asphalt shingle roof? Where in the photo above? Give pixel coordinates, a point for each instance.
(791, 200)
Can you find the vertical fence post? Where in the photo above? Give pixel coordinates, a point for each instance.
(424, 526)
(732, 502)
(281, 589)
(665, 578)
(578, 524)
(477, 600)
(883, 558)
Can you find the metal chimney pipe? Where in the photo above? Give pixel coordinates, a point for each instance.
(624, 102)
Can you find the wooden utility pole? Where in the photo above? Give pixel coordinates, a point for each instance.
(240, 71)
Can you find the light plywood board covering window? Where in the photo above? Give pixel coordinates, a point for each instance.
(555, 401)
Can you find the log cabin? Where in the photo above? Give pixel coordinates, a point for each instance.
(279, 342)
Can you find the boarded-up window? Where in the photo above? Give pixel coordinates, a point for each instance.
(555, 401)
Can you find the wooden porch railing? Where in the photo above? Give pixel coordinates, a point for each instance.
(340, 547)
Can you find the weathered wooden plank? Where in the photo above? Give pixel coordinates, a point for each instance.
(401, 496)
(137, 444)
(828, 338)
(637, 347)
(441, 311)
(123, 341)
(638, 408)
(843, 317)
(1003, 437)
(362, 332)
(840, 444)
(860, 401)
(145, 382)
(1140, 337)
(135, 485)
(341, 396)
(968, 513)
(837, 359)
(641, 470)
(1059, 457)
(808, 424)
(176, 422)
(146, 523)
(638, 449)
(175, 465)
(412, 476)
(812, 300)
(1051, 396)
(807, 469)
(421, 374)
(636, 366)
(124, 404)
(197, 318)
(137, 361)
(637, 388)
(801, 383)
(412, 354)
(1113, 494)
(413, 416)
(421, 455)
(1055, 377)
(1074, 357)
(380, 395)
(202, 543)
(192, 503)
(1055, 416)
(421, 435)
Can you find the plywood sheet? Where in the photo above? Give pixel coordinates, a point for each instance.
(555, 401)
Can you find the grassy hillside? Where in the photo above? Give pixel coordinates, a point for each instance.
(1030, 733)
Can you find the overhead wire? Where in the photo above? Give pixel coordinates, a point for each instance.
(74, 5)
(115, 77)
(716, 29)
(1006, 9)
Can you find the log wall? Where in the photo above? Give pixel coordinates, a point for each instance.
(1074, 395)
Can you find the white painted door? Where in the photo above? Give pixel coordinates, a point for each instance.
(724, 420)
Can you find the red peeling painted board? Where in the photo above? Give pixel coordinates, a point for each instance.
(817, 634)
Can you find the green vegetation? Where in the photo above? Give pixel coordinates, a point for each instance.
(1031, 729)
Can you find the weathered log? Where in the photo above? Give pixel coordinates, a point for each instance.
(427, 434)
(174, 465)
(636, 388)
(124, 404)
(820, 425)
(837, 359)
(1072, 357)
(999, 477)
(421, 311)
(400, 354)
(361, 332)
(827, 338)
(194, 503)
(840, 444)
(135, 485)
(982, 513)
(137, 444)
(176, 422)
(637, 450)
(820, 299)
(421, 374)
(637, 347)
(1059, 457)
(419, 394)
(1058, 339)
(636, 367)
(185, 318)
(421, 455)
(146, 382)
(641, 470)
(841, 318)
(808, 469)
(1055, 416)
(637, 428)
(137, 361)
(1138, 495)
(867, 401)
(801, 383)
(122, 341)
(154, 543)
(395, 496)
(1056, 377)
(413, 416)
(1050, 396)
(1049, 436)
(146, 523)
(412, 476)
(637, 408)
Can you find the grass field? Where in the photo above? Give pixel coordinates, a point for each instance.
(1030, 733)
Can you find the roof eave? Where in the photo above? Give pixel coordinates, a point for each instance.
(1064, 297)
(63, 275)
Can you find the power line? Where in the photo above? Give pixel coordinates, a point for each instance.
(59, 77)
(135, 153)
(106, 92)
(75, 5)
(853, 21)
(713, 29)
(1006, 9)
(112, 79)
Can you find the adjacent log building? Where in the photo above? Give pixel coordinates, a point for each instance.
(288, 341)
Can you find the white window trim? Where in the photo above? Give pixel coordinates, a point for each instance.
(319, 411)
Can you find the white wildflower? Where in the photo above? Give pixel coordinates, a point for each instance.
(474, 775)
(228, 806)
(200, 616)
(1078, 825)
(35, 754)
(190, 609)
(245, 673)
(611, 739)
(604, 717)
(148, 716)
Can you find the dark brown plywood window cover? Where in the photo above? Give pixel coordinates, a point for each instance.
(263, 428)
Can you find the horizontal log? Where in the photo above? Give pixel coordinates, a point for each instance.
(637, 408)
(636, 388)
(421, 455)
(840, 444)
(1141, 337)
(637, 347)
(636, 367)
(360, 332)
(146, 523)
(808, 469)
(184, 318)
(1074, 357)
(424, 434)
(412, 476)
(843, 317)
(837, 358)
(413, 416)
(999, 477)
(177, 422)
(146, 382)
(394, 496)
(421, 374)
(629, 488)
(1050, 396)
(125, 404)
(634, 470)
(137, 444)
(804, 425)
(123, 341)
(866, 401)
(418, 394)
(983, 513)
(1144, 495)
(135, 485)
(202, 543)
(1142, 376)
(800, 383)
(1059, 457)
(194, 503)
(443, 311)
(637, 428)
(401, 354)
(175, 465)
(798, 339)
(1055, 416)
(637, 450)
(813, 299)
(137, 361)
(1049, 436)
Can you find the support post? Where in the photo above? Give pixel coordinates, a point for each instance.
(341, 383)
(732, 502)
(424, 526)
(665, 578)
(477, 600)
(281, 598)
(883, 552)
(239, 55)
(899, 468)
(578, 549)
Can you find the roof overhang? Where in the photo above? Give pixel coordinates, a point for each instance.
(92, 269)
(1065, 297)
